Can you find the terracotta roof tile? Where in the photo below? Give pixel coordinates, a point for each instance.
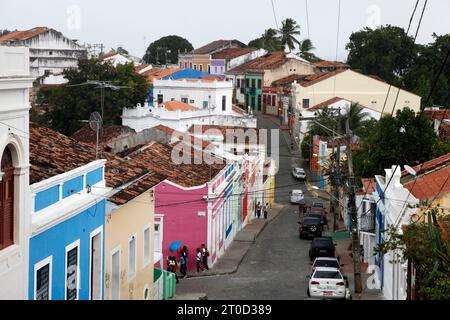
(23, 35)
(52, 153)
(216, 45)
(326, 104)
(330, 64)
(268, 61)
(158, 157)
(178, 105)
(161, 73)
(110, 132)
(287, 80)
(369, 185)
(231, 53)
(318, 77)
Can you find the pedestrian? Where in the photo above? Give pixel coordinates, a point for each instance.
(183, 266)
(173, 263)
(184, 253)
(258, 210)
(266, 208)
(205, 255)
(198, 260)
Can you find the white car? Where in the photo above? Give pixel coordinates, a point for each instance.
(327, 283)
(298, 173)
(296, 196)
(325, 262)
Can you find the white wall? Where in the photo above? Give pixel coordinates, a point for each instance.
(14, 128)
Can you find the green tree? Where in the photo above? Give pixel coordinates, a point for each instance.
(403, 139)
(268, 41)
(387, 52)
(288, 32)
(4, 32)
(166, 49)
(121, 50)
(73, 104)
(305, 48)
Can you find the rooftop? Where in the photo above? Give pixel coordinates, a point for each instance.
(369, 185)
(178, 105)
(231, 53)
(330, 64)
(158, 157)
(217, 45)
(23, 35)
(110, 132)
(318, 77)
(52, 153)
(287, 80)
(268, 61)
(326, 104)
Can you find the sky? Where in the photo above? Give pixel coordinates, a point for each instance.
(134, 24)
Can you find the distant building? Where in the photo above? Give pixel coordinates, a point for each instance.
(118, 58)
(230, 58)
(15, 83)
(329, 66)
(50, 51)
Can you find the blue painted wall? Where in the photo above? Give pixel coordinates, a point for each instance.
(53, 242)
(94, 176)
(46, 198)
(72, 186)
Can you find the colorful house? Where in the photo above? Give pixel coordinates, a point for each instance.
(193, 205)
(67, 221)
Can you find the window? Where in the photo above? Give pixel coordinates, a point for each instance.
(259, 102)
(247, 83)
(6, 200)
(72, 267)
(146, 246)
(172, 99)
(253, 102)
(238, 83)
(160, 98)
(209, 69)
(185, 100)
(115, 274)
(205, 104)
(306, 103)
(201, 67)
(158, 239)
(43, 279)
(259, 83)
(253, 83)
(264, 99)
(50, 53)
(131, 257)
(195, 67)
(191, 101)
(273, 100)
(224, 103)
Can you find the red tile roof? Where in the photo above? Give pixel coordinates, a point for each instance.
(326, 104)
(110, 132)
(23, 35)
(178, 105)
(266, 62)
(52, 153)
(330, 64)
(217, 45)
(231, 53)
(160, 73)
(432, 178)
(238, 110)
(287, 80)
(141, 67)
(318, 77)
(150, 72)
(182, 135)
(369, 185)
(107, 55)
(158, 157)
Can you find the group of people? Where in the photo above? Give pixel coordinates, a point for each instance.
(262, 209)
(201, 261)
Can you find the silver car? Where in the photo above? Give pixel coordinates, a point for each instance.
(298, 173)
(327, 283)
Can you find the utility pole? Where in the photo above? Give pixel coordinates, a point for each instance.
(337, 178)
(352, 210)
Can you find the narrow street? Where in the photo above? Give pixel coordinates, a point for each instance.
(277, 263)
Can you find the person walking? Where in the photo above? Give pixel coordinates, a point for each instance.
(173, 266)
(266, 208)
(258, 210)
(183, 266)
(184, 253)
(198, 260)
(205, 255)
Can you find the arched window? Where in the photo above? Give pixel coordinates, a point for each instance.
(7, 200)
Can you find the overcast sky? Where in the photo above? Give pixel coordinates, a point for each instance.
(135, 23)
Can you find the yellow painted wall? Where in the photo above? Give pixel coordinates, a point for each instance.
(124, 222)
(269, 195)
(359, 88)
(201, 59)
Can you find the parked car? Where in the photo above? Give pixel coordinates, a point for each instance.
(321, 217)
(298, 173)
(326, 262)
(317, 205)
(322, 247)
(310, 226)
(296, 196)
(327, 283)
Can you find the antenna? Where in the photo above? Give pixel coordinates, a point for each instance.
(95, 122)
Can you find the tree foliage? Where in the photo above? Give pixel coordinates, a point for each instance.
(403, 139)
(74, 104)
(4, 32)
(426, 245)
(305, 48)
(268, 41)
(166, 47)
(288, 34)
(386, 52)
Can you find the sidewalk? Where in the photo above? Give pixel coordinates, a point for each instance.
(229, 262)
(276, 120)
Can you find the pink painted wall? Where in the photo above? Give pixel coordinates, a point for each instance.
(181, 220)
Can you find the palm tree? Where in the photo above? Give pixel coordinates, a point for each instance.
(306, 46)
(270, 40)
(356, 114)
(288, 32)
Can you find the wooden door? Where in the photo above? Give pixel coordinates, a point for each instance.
(7, 201)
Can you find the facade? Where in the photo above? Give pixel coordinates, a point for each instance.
(67, 235)
(50, 51)
(116, 58)
(15, 83)
(230, 58)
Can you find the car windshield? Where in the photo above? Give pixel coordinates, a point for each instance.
(327, 263)
(299, 170)
(327, 275)
(297, 192)
(317, 205)
(312, 220)
(322, 243)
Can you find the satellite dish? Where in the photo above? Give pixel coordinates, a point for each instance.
(410, 170)
(95, 121)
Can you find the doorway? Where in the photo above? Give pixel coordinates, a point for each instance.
(96, 266)
(115, 275)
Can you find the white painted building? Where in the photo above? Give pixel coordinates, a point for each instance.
(117, 58)
(50, 51)
(15, 82)
(144, 117)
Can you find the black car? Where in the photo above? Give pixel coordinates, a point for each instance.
(321, 247)
(310, 226)
(322, 217)
(317, 205)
